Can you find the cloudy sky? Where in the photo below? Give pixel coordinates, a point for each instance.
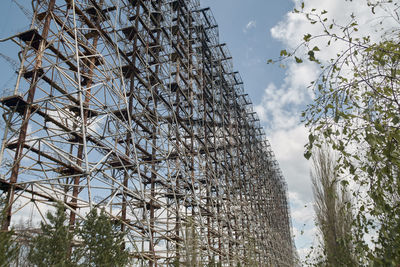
(256, 30)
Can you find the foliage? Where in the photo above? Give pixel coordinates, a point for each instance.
(8, 247)
(189, 251)
(250, 250)
(191, 243)
(52, 246)
(332, 208)
(102, 242)
(356, 109)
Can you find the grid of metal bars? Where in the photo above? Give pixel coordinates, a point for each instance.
(133, 106)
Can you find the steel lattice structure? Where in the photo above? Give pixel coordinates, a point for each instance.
(134, 106)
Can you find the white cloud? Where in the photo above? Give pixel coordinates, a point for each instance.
(288, 146)
(281, 105)
(252, 24)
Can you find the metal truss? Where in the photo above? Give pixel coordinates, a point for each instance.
(133, 106)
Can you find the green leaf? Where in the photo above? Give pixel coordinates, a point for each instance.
(311, 138)
(307, 154)
(311, 55)
(395, 120)
(344, 183)
(379, 127)
(298, 60)
(307, 37)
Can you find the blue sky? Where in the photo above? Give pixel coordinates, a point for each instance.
(251, 30)
(279, 95)
(251, 46)
(254, 30)
(12, 20)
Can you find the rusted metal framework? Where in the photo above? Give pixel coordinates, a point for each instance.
(133, 106)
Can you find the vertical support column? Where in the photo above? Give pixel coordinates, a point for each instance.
(178, 220)
(26, 117)
(84, 113)
(129, 137)
(153, 88)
